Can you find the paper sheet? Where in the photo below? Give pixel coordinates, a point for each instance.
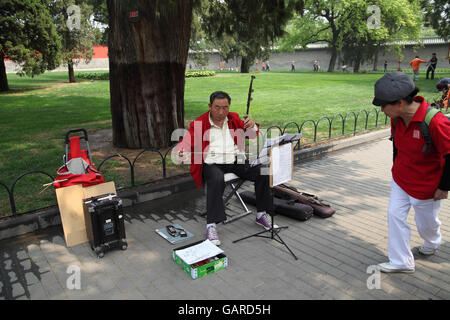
(282, 164)
(199, 252)
(263, 157)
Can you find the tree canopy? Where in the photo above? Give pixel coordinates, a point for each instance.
(397, 20)
(346, 23)
(77, 39)
(246, 29)
(27, 36)
(437, 15)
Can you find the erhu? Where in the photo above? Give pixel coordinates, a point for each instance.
(250, 90)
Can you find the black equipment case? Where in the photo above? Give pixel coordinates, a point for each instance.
(291, 208)
(289, 193)
(105, 223)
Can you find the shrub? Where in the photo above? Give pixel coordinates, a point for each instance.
(205, 73)
(93, 75)
(105, 75)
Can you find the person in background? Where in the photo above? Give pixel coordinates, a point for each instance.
(292, 66)
(385, 66)
(432, 63)
(415, 64)
(419, 179)
(442, 84)
(446, 97)
(316, 65)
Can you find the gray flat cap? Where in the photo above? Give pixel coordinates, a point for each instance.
(391, 87)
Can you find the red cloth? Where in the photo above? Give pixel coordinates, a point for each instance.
(86, 180)
(196, 141)
(91, 178)
(416, 172)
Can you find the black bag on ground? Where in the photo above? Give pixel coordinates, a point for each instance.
(291, 208)
(105, 223)
(321, 209)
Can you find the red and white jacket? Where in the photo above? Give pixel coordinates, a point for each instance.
(196, 141)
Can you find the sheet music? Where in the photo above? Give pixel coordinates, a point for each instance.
(263, 157)
(282, 164)
(199, 252)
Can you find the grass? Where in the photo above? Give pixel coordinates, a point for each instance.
(37, 112)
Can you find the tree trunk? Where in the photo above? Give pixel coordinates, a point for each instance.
(71, 72)
(356, 64)
(332, 59)
(148, 48)
(3, 79)
(245, 65)
(375, 60)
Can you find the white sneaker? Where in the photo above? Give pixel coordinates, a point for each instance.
(426, 251)
(389, 268)
(212, 235)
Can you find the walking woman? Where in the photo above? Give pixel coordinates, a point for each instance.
(420, 173)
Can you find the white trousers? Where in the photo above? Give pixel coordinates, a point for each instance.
(427, 222)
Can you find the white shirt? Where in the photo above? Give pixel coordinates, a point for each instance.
(222, 149)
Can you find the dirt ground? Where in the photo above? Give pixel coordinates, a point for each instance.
(148, 166)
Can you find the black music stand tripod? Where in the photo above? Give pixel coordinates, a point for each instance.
(274, 231)
(273, 235)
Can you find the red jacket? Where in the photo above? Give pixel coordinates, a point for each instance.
(197, 140)
(416, 172)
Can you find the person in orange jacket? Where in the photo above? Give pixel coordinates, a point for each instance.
(415, 64)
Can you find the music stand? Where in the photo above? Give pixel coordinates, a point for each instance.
(284, 139)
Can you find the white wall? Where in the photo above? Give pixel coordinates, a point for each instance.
(303, 60)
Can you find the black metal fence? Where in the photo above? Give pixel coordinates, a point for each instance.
(354, 117)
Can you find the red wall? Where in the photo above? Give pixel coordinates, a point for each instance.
(100, 52)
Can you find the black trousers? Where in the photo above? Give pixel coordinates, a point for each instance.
(213, 175)
(430, 68)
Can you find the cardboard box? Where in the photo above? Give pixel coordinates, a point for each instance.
(198, 270)
(70, 204)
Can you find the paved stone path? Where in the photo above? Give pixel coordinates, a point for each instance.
(334, 254)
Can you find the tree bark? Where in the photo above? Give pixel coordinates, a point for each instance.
(3, 79)
(71, 72)
(147, 63)
(332, 59)
(245, 65)
(334, 52)
(375, 60)
(356, 65)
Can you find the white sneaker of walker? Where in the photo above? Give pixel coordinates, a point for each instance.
(426, 251)
(389, 268)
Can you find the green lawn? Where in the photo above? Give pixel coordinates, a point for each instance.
(35, 115)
